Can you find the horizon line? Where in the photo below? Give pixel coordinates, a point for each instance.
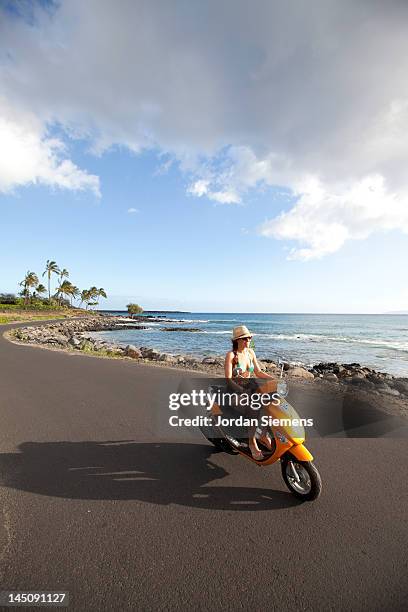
(391, 313)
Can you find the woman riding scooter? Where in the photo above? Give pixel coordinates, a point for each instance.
(241, 363)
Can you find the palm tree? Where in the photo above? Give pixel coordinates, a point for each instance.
(84, 297)
(101, 293)
(62, 273)
(93, 295)
(50, 268)
(74, 292)
(30, 280)
(65, 288)
(39, 290)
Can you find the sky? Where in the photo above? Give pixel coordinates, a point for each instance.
(218, 156)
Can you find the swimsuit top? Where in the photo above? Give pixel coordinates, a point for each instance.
(238, 370)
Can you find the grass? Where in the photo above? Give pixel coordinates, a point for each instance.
(13, 313)
(20, 318)
(101, 353)
(4, 320)
(37, 306)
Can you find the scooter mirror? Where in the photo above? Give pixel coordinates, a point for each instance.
(282, 363)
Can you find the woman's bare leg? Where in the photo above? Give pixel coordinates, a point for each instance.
(253, 444)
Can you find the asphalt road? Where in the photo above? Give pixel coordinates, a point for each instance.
(99, 498)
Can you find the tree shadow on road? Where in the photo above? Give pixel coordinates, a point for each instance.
(157, 473)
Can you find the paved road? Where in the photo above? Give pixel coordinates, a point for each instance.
(98, 499)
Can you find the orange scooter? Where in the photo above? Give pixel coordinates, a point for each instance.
(283, 442)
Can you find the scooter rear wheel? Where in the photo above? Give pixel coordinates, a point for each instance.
(301, 477)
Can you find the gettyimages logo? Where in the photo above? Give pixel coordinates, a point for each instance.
(208, 399)
(213, 402)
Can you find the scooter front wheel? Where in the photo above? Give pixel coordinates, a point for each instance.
(301, 477)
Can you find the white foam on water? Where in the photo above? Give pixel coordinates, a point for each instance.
(191, 321)
(391, 344)
(215, 332)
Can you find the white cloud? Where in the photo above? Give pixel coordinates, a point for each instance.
(133, 210)
(27, 155)
(284, 94)
(199, 188)
(323, 219)
(225, 196)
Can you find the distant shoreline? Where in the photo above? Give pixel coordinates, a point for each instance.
(203, 312)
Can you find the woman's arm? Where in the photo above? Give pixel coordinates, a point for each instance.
(257, 370)
(228, 364)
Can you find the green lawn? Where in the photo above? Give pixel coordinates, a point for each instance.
(28, 318)
(14, 313)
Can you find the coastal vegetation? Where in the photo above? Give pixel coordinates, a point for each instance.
(58, 301)
(134, 309)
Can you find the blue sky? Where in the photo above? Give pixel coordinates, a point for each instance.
(181, 252)
(233, 212)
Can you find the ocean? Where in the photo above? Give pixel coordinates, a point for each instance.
(376, 341)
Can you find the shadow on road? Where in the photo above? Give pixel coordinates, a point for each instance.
(157, 473)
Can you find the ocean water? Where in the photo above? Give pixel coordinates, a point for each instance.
(377, 341)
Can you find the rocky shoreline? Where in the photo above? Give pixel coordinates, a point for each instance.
(76, 335)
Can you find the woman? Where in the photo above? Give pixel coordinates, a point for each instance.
(241, 363)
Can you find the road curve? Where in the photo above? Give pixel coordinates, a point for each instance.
(99, 499)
